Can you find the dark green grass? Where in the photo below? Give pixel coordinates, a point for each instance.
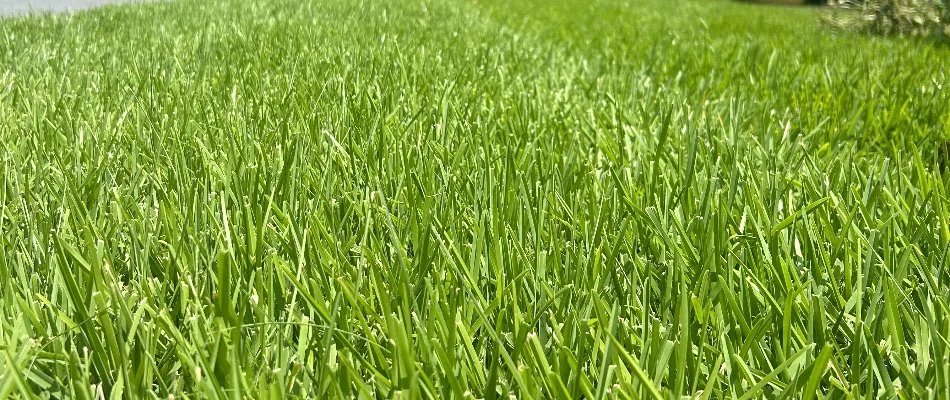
(460, 198)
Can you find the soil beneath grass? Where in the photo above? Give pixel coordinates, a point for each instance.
(21, 7)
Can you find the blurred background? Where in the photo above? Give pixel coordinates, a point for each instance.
(8, 7)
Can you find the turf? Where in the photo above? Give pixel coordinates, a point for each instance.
(470, 199)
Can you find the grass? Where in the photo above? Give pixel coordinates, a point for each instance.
(924, 18)
(470, 199)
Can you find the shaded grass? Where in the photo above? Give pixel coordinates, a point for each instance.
(607, 199)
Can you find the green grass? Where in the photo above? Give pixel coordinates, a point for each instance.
(470, 199)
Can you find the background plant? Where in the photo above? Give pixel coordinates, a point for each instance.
(930, 18)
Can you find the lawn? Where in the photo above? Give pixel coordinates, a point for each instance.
(471, 199)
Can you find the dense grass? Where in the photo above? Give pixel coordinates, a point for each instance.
(461, 198)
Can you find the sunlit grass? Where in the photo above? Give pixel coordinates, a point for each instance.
(470, 199)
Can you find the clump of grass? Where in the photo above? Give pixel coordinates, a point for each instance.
(926, 18)
(461, 199)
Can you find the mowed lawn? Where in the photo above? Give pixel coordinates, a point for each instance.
(471, 199)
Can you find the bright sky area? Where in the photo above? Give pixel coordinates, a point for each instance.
(8, 7)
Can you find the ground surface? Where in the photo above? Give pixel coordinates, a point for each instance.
(470, 199)
(19, 7)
